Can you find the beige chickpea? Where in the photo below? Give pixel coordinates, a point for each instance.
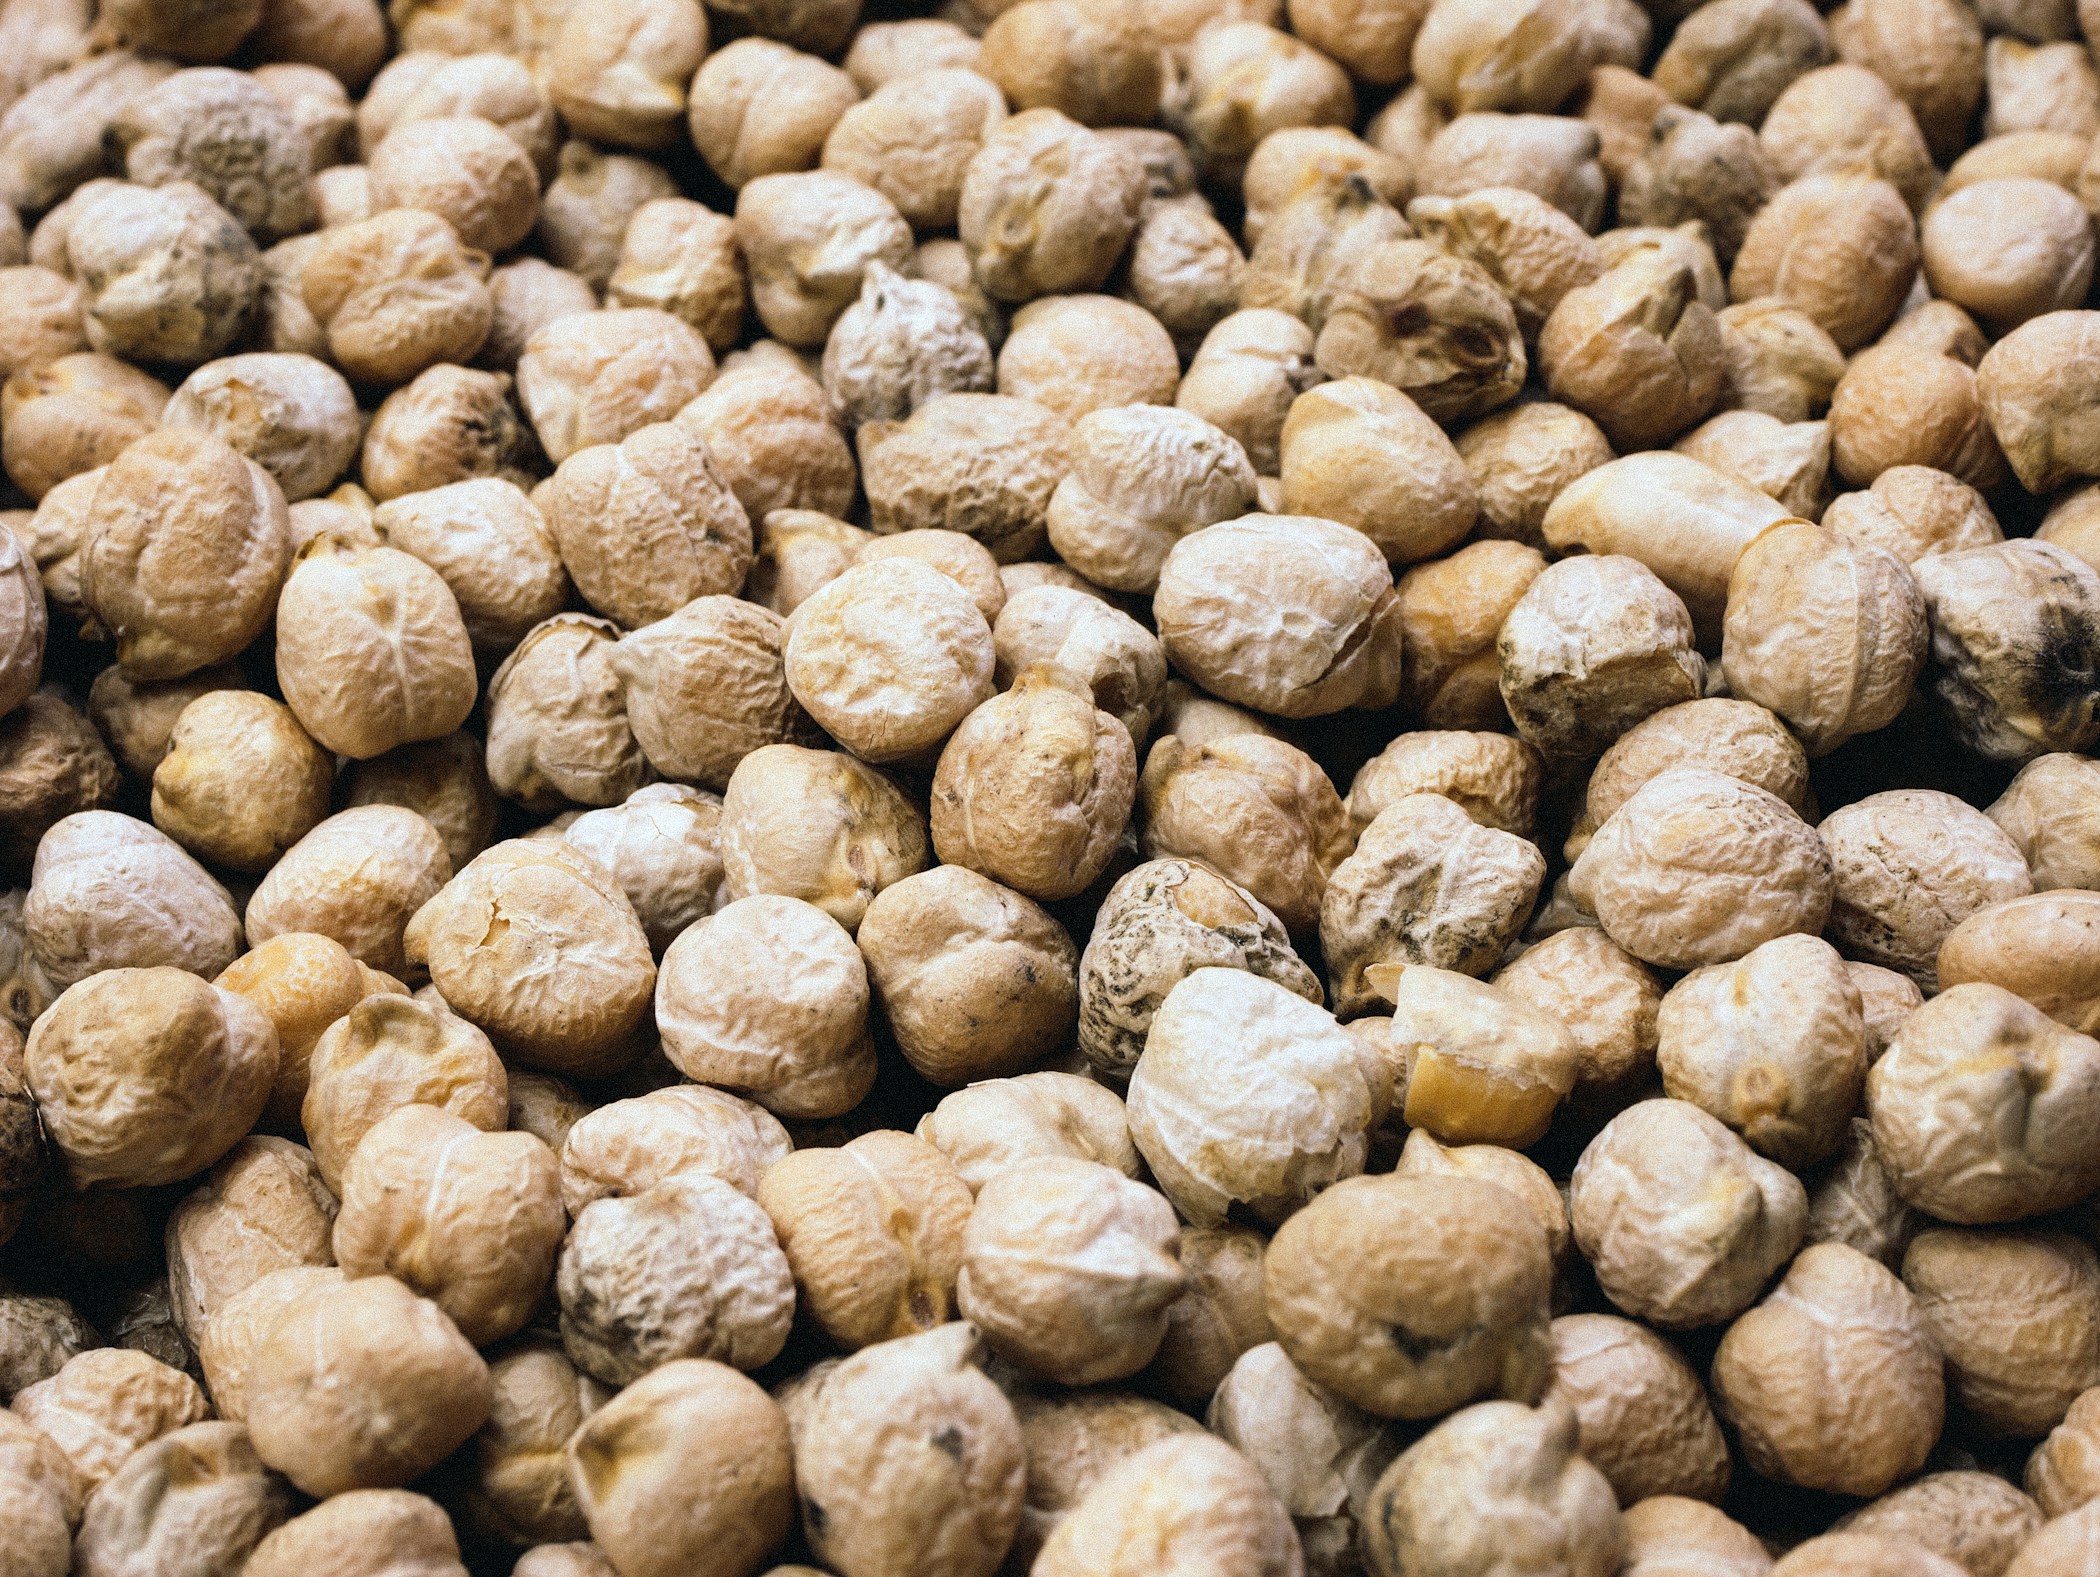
(1000, 810)
(2060, 1473)
(1220, 1317)
(620, 77)
(1773, 1044)
(1246, 80)
(1915, 512)
(686, 1268)
(1257, 810)
(1521, 459)
(627, 1147)
(807, 236)
(997, 1125)
(1840, 247)
(1735, 62)
(1659, 1256)
(2044, 812)
(348, 1535)
(2051, 155)
(1974, 1519)
(291, 414)
(168, 274)
(1118, 661)
(281, 322)
(1952, 862)
(517, 1481)
(106, 1403)
(1221, 1036)
(1483, 1066)
(585, 209)
(342, 195)
(137, 716)
(1068, 1269)
(1897, 405)
(1787, 461)
(975, 979)
(2009, 250)
(448, 424)
(1158, 925)
(106, 892)
(817, 825)
(388, 1052)
(263, 1209)
(1777, 360)
(1551, 156)
(1425, 885)
(52, 764)
(43, 1493)
(1362, 453)
(874, 1231)
(1046, 206)
(913, 138)
(595, 378)
(1293, 161)
(774, 437)
(1738, 738)
(1975, 1055)
(1185, 269)
(1475, 58)
(2016, 1360)
(185, 545)
(1142, 478)
(445, 781)
(468, 171)
(681, 258)
(2034, 390)
(661, 846)
(1874, 1408)
(197, 1063)
(1595, 644)
(1182, 1505)
(1604, 997)
(357, 877)
(1854, 1201)
(42, 318)
(1670, 1536)
(798, 551)
(760, 108)
(1320, 1454)
(1245, 377)
(1099, 65)
(241, 782)
(2060, 1545)
(904, 342)
(359, 680)
(1931, 54)
(2070, 524)
(1532, 250)
(578, 1019)
(691, 1425)
(493, 548)
(798, 1045)
(884, 51)
(303, 982)
(2035, 87)
(1451, 612)
(68, 416)
(1636, 350)
(419, 1389)
(1641, 1413)
(1081, 353)
(706, 687)
(51, 136)
(2040, 948)
(397, 293)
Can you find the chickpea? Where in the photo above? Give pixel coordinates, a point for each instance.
(2060, 1473)
(817, 825)
(1930, 53)
(760, 108)
(356, 877)
(1841, 247)
(1735, 63)
(1081, 353)
(2042, 812)
(621, 78)
(52, 765)
(241, 782)
(2059, 1543)
(1898, 405)
(67, 417)
(913, 138)
(291, 414)
(1547, 155)
(1667, 1534)
(2035, 412)
(43, 318)
(999, 1124)
(1244, 378)
(807, 237)
(350, 1534)
(51, 136)
(1886, 1388)
(226, 133)
(1777, 360)
(586, 208)
(628, 1147)
(884, 51)
(517, 1479)
(904, 342)
(2009, 250)
(397, 293)
(106, 1403)
(596, 378)
(1031, 235)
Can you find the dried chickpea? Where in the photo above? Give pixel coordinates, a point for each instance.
(1636, 350)
(1978, 1107)
(105, 1404)
(2036, 87)
(1483, 1067)
(52, 764)
(303, 982)
(884, 51)
(617, 72)
(1787, 461)
(1118, 661)
(586, 208)
(698, 1441)
(342, 196)
(1841, 247)
(1777, 360)
(41, 313)
(760, 108)
(1081, 353)
(1098, 64)
(463, 168)
(517, 1481)
(660, 845)
(1898, 405)
(363, 1533)
(397, 293)
(65, 417)
(357, 877)
(1641, 1413)
(628, 1147)
(291, 414)
(595, 378)
(1047, 206)
(2037, 413)
(2060, 1474)
(168, 274)
(817, 825)
(241, 782)
(227, 134)
(1522, 458)
(418, 1392)
(1227, 1051)
(1734, 62)
(913, 137)
(1864, 1555)
(994, 1126)
(1220, 1317)
(1670, 1536)
(1550, 156)
(1928, 51)
(493, 548)
(371, 649)
(1604, 997)
(51, 137)
(1657, 1254)
(2009, 250)
(2070, 524)
(1183, 1505)
(807, 236)
(1362, 453)
(874, 1232)
(2041, 948)
(1244, 378)
(2044, 812)
(904, 342)
(798, 551)
(1915, 512)
(678, 257)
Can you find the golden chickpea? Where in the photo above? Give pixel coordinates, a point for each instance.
(2043, 811)
(62, 418)
(303, 982)
(874, 1231)
(241, 782)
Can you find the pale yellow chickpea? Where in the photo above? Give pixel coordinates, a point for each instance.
(618, 71)
(241, 782)
(818, 825)
(760, 108)
(357, 878)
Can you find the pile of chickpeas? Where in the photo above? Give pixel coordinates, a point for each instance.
(1082, 788)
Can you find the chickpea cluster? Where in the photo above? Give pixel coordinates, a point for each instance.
(1043, 788)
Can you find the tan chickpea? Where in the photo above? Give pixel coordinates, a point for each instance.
(280, 321)
(874, 1231)
(2042, 811)
(1245, 377)
(1786, 461)
(629, 1146)
(1219, 1318)
(493, 548)
(1915, 512)
(264, 1208)
(65, 417)
(2060, 1473)
(913, 138)
(1451, 613)
(1185, 269)
(798, 551)
(2070, 522)
(359, 681)
(2009, 250)
(469, 172)
(52, 764)
(388, 1052)
(1841, 247)
(1734, 63)
(660, 844)
(1738, 738)
(585, 209)
(1521, 459)
(517, 1485)
(241, 782)
(1931, 54)
(1221, 1034)
(680, 258)
(397, 293)
(982, 464)
(1630, 1206)
(807, 236)
(2031, 383)
(104, 1404)
(1777, 360)
(1641, 1413)
(904, 342)
(760, 108)
(1668, 1535)
(1548, 155)
(620, 77)
(2060, 1543)
(2035, 87)
(42, 319)
(1246, 80)
(1901, 406)
(347, 1534)
(2036, 947)
(996, 1125)
(1028, 236)
(595, 378)
(706, 687)
(445, 781)
(291, 414)
(342, 195)
(1082, 353)
(1185, 1504)
(1094, 63)
(817, 825)
(2051, 155)
(303, 982)
(884, 51)
(357, 878)
(51, 136)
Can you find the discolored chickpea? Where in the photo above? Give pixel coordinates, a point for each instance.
(1046, 206)
(1182, 1505)
(618, 72)
(1483, 1067)
(628, 1147)
(874, 1231)
(904, 342)
(52, 764)
(371, 649)
(227, 134)
(363, 1533)
(106, 1403)
(2035, 394)
(168, 274)
(397, 293)
(419, 1389)
(1221, 1036)
(585, 209)
(1734, 62)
